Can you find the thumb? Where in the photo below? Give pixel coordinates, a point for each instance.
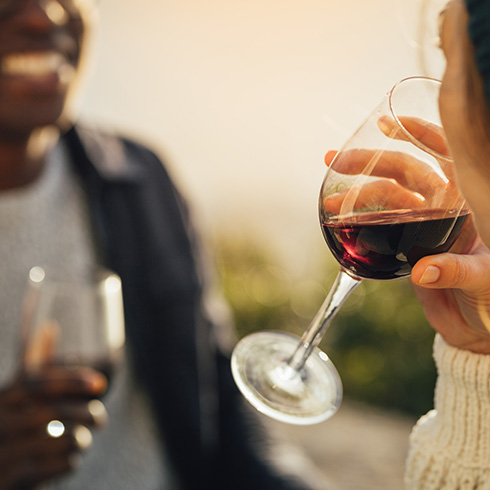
(41, 348)
(452, 271)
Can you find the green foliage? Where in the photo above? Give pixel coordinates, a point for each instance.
(379, 341)
(382, 346)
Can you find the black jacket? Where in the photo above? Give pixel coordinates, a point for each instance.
(144, 234)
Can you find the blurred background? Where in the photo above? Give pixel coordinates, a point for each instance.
(242, 98)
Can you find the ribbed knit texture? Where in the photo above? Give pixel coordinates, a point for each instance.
(450, 446)
(479, 31)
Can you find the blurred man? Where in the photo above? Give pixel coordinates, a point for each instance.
(71, 198)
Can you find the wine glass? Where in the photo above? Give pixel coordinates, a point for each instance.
(388, 198)
(73, 323)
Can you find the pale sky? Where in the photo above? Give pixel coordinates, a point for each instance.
(244, 97)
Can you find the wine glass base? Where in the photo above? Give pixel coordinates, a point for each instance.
(259, 366)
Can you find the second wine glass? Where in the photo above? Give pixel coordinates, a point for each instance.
(73, 323)
(389, 198)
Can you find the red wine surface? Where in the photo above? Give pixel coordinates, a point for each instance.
(385, 245)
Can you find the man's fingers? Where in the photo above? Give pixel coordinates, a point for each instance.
(22, 422)
(54, 381)
(42, 347)
(27, 462)
(74, 438)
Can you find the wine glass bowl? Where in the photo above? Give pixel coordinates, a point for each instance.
(73, 323)
(388, 199)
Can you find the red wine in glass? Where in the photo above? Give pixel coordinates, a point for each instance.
(385, 245)
(389, 198)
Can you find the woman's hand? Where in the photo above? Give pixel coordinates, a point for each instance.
(454, 290)
(28, 454)
(400, 181)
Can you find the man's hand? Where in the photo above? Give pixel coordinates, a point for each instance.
(28, 454)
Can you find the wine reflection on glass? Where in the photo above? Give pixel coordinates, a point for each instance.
(389, 198)
(72, 324)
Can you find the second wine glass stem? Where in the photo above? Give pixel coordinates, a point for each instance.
(342, 287)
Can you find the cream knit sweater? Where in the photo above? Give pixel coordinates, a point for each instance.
(450, 446)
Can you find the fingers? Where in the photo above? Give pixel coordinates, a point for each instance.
(409, 172)
(402, 167)
(23, 391)
(381, 194)
(74, 438)
(92, 414)
(452, 271)
(41, 349)
(55, 381)
(28, 461)
(34, 401)
(29, 452)
(430, 135)
(454, 291)
(329, 156)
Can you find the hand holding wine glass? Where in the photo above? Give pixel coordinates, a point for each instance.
(388, 199)
(72, 332)
(34, 446)
(452, 287)
(402, 191)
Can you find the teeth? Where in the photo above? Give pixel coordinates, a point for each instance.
(33, 64)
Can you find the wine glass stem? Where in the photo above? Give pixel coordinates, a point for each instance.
(343, 286)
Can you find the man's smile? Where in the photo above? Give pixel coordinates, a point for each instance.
(35, 64)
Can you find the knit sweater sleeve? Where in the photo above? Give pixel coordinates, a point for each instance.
(450, 446)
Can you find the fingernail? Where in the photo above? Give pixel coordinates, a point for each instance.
(385, 124)
(330, 155)
(430, 275)
(98, 412)
(97, 383)
(83, 437)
